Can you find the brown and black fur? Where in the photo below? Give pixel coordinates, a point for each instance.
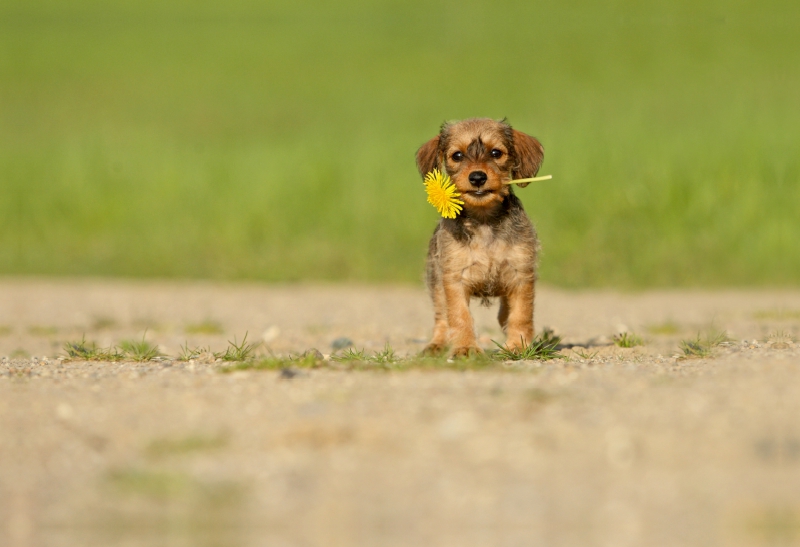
(490, 249)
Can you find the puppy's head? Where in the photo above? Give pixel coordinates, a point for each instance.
(480, 154)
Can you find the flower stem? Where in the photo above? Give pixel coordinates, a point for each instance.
(534, 179)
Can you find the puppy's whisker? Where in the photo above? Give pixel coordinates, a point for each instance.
(533, 179)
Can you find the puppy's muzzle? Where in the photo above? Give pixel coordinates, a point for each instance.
(477, 178)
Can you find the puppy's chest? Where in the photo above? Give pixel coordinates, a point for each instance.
(489, 262)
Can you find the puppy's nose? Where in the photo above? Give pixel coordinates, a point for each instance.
(477, 178)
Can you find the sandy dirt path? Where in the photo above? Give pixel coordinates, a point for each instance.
(610, 446)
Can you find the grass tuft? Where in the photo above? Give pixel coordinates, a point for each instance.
(88, 351)
(385, 356)
(139, 351)
(703, 345)
(541, 348)
(350, 354)
(187, 354)
(583, 354)
(628, 340)
(238, 351)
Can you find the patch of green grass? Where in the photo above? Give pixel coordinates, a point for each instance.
(780, 315)
(628, 340)
(88, 351)
(204, 327)
(666, 328)
(695, 347)
(103, 323)
(703, 345)
(170, 486)
(20, 353)
(541, 348)
(384, 356)
(187, 354)
(161, 448)
(40, 330)
(583, 354)
(141, 350)
(5, 330)
(238, 351)
(776, 525)
(277, 363)
(384, 360)
(151, 484)
(151, 152)
(350, 354)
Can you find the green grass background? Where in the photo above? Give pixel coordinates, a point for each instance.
(275, 140)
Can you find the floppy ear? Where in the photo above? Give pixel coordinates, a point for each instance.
(530, 155)
(428, 156)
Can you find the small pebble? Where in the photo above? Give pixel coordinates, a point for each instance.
(341, 343)
(288, 373)
(270, 334)
(315, 353)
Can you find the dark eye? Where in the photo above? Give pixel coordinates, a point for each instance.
(457, 156)
(496, 153)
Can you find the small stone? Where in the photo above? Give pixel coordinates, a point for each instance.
(288, 373)
(313, 352)
(270, 334)
(341, 343)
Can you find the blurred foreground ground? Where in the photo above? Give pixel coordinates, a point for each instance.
(619, 447)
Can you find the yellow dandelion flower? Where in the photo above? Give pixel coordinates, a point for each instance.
(442, 194)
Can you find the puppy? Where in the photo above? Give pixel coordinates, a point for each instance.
(490, 249)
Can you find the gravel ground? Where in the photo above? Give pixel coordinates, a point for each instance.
(608, 446)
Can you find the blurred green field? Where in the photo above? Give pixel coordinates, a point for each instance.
(275, 141)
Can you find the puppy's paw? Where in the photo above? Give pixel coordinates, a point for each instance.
(434, 349)
(466, 351)
(518, 343)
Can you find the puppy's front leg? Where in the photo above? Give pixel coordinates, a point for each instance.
(519, 325)
(462, 331)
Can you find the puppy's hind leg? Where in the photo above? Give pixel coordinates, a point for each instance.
(438, 343)
(502, 313)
